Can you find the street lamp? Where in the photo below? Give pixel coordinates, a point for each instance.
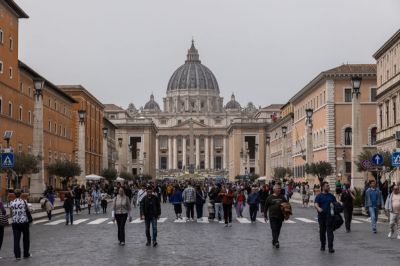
(356, 83)
(81, 114)
(105, 132)
(309, 113)
(284, 130)
(38, 84)
(7, 137)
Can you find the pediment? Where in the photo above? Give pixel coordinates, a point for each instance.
(186, 125)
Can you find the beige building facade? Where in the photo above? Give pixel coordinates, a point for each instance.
(329, 95)
(388, 81)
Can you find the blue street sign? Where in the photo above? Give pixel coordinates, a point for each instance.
(7, 160)
(396, 159)
(377, 159)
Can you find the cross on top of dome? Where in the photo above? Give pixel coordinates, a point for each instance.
(193, 54)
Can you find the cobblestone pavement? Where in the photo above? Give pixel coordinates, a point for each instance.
(94, 242)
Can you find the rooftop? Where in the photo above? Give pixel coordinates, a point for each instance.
(389, 43)
(21, 13)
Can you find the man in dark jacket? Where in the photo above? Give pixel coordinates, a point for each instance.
(274, 212)
(151, 211)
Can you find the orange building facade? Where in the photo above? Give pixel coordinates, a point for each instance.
(93, 127)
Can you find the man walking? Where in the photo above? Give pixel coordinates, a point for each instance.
(373, 202)
(227, 201)
(324, 205)
(393, 207)
(253, 200)
(273, 210)
(189, 198)
(151, 210)
(347, 197)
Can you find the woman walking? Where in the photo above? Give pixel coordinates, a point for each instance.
(69, 208)
(121, 212)
(176, 200)
(240, 203)
(96, 197)
(20, 225)
(200, 200)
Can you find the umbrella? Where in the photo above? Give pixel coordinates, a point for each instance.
(93, 177)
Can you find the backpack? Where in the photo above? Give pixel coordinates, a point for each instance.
(337, 221)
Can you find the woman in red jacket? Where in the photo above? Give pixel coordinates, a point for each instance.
(227, 201)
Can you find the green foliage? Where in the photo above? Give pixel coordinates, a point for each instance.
(289, 172)
(126, 175)
(65, 169)
(110, 174)
(320, 169)
(280, 172)
(366, 155)
(358, 197)
(25, 163)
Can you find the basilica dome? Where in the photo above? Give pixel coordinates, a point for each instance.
(193, 75)
(152, 104)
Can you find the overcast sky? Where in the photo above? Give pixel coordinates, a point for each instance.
(262, 50)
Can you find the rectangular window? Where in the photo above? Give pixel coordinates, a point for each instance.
(347, 95)
(11, 42)
(1, 105)
(30, 117)
(49, 126)
(21, 87)
(1, 36)
(30, 92)
(9, 109)
(10, 72)
(19, 148)
(373, 94)
(20, 113)
(348, 167)
(1, 67)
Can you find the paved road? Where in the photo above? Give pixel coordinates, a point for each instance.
(93, 242)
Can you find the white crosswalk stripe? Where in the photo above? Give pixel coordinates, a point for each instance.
(355, 222)
(40, 221)
(56, 222)
(137, 221)
(243, 220)
(289, 222)
(261, 220)
(162, 220)
(99, 221)
(80, 221)
(183, 220)
(203, 220)
(306, 220)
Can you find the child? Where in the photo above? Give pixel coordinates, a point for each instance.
(89, 201)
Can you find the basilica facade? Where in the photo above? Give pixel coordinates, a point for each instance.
(193, 130)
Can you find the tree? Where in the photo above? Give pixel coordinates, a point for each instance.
(280, 172)
(320, 169)
(289, 171)
(110, 174)
(126, 175)
(25, 163)
(64, 169)
(366, 155)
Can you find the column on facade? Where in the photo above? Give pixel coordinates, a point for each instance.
(197, 152)
(207, 154)
(184, 151)
(212, 152)
(157, 153)
(169, 152)
(175, 153)
(225, 153)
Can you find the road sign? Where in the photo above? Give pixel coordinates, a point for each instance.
(7, 160)
(377, 159)
(396, 159)
(366, 164)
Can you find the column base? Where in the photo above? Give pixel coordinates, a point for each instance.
(35, 197)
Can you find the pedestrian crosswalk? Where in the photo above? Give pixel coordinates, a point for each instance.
(203, 220)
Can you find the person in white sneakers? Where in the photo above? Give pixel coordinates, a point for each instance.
(392, 206)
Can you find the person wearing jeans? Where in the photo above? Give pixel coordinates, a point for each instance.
(120, 213)
(189, 198)
(20, 225)
(324, 205)
(69, 208)
(151, 210)
(373, 202)
(253, 200)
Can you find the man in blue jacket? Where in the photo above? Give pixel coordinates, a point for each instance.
(373, 202)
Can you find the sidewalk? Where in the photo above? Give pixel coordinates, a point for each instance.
(296, 198)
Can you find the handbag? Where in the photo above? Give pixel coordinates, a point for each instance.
(3, 219)
(28, 213)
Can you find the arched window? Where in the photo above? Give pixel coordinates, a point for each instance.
(347, 136)
(373, 136)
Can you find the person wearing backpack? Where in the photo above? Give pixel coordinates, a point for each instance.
(121, 212)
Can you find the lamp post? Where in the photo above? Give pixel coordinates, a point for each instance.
(105, 147)
(37, 180)
(82, 145)
(268, 156)
(284, 146)
(356, 143)
(309, 139)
